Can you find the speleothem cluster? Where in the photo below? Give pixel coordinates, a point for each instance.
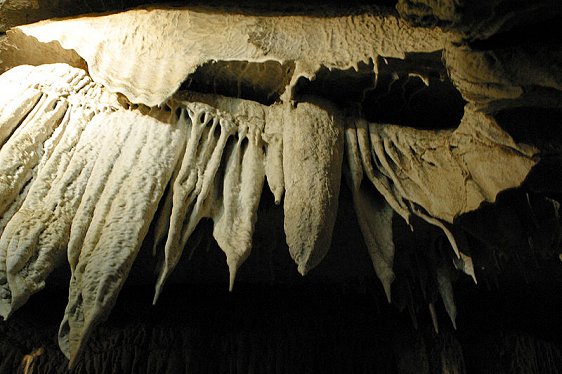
(100, 142)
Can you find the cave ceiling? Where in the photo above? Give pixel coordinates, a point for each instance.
(133, 133)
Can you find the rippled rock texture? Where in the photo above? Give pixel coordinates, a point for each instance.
(420, 146)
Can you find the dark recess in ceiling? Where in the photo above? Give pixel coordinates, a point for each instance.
(543, 33)
(273, 7)
(414, 92)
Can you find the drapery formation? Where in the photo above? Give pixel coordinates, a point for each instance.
(83, 172)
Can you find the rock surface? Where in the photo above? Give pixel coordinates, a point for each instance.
(110, 151)
(187, 39)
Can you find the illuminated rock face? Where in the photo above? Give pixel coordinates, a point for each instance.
(105, 145)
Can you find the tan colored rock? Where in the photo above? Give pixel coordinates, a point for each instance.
(15, 106)
(238, 187)
(28, 129)
(492, 80)
(436, 175)
(23, 151)
(372, 170)
(92, 183)
(273, 136)
(312, 158)
(374, 215)
(124, 208)
(89, 175)
(193, 197)
(448, 173)
(187, 38)
(237, 204)
(223, 171)
(34, 228)
(269, 119)
(36, 237)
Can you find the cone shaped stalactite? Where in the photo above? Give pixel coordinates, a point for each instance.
(312, 158)
(193, 198)
(373, 215)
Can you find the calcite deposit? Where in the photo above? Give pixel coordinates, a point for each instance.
(106, 145)
(187, 39)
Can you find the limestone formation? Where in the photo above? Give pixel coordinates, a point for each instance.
(187, 39)
(312, 157)
(37, 222)
(446, 172)
(120, 221)
(374, 215)
(192, 192)
(106, 145)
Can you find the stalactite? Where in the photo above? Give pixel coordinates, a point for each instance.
(312, 158)
(236, 213)
(273, 136)
(374, 215)
(84, 170)
(37, 235)
(35, 226)
(124, 209)
(445, 288)
(193, 199)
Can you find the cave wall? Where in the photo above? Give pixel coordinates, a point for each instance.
(468, 93)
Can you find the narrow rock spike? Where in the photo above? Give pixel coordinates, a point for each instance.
(434, 319)
(192, 189)
(373, 215)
